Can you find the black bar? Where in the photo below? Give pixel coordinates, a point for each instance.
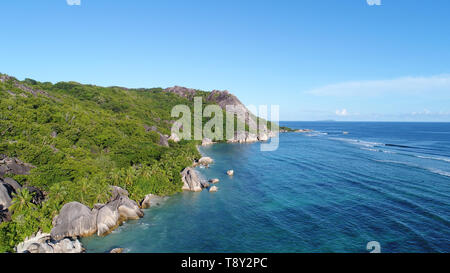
(232, 262)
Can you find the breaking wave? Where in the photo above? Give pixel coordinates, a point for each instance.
(432, 170)
(434, 158)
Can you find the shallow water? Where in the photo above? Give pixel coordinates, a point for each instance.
(319, 192)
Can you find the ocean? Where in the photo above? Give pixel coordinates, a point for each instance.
(324, 191)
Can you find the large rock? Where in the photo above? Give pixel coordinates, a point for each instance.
(107, 218)
(77, 220)
(239, 137)
(181, 91)
(263, 137)
(271, 134)
(13, 166)
(13, 183)
(5, 196)
(191, 180)
(151, 200)
(43, 243)
(5, 215)
(251, 138)
(129, 209)
(117, 192)
(204, 183)
(246, 137)
(163, 140)
(205, 161)
(38, 195)
(67, 245)
(116, 250)
(174, 137)
(74, 219)
(119, 209)
(224, 99)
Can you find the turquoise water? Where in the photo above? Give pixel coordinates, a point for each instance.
(319, 192)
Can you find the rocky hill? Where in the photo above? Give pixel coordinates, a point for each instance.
(69, 142)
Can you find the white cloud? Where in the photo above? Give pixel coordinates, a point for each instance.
(374, 2)
(73, 2)
(404, 85)
(342, 112)
(426, 112)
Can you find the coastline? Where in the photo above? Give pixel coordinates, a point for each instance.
(273, 194)
(64, 238)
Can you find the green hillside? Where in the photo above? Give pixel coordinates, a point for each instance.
(83, 138)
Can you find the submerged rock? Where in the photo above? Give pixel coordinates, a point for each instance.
(74, 220)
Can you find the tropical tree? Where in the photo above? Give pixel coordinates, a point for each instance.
(21, 200)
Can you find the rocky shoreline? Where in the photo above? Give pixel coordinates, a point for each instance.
(76, 220)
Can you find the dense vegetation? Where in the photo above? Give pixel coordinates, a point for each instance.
(82, 139)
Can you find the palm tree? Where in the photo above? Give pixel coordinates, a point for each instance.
(58, 191)
(146, 172)
(85, 189)
(116, 176)
(21, 200)
(130, 175)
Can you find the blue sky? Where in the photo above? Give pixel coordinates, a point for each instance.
(317, 59)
